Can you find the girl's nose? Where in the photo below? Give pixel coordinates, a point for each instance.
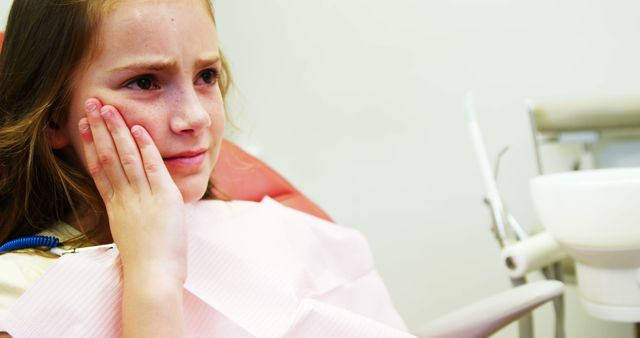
(190, 116)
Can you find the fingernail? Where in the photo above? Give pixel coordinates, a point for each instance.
(83, 126)
(135, 130)
(91, 106)
(105, 111)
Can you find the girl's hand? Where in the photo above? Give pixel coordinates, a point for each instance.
(144, 206)
(146, 217)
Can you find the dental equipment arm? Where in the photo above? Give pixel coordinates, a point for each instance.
(504, 221)
(493, 197)
(501, 217)
(485, 317)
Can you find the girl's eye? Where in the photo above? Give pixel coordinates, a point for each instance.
(208, 77)
(145, 82)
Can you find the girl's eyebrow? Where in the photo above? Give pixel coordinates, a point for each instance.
(207, 59)
(160, 64)
(146, 64)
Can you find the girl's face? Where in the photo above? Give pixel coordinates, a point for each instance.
(158, 63)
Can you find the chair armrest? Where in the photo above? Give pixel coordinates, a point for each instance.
(485, 317)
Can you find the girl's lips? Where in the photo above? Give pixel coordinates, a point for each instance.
(186, 161)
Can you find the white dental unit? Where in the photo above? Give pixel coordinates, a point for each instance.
(594, 213)
(591, 215)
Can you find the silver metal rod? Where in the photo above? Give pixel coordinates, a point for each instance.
(534, 133)
(525, 323)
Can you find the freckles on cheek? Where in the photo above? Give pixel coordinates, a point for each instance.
(145, 120)
(130, 114)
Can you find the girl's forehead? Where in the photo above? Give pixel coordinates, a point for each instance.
(106, 7)
(140, 26)
(127, 11)
(181, 33)
(139, 16)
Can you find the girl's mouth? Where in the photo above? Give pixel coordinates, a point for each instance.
(186, 159)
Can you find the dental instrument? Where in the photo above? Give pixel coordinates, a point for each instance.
(501, 217)
(528, 254)
(492, 199)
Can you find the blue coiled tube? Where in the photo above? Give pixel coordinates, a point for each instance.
(29, 242)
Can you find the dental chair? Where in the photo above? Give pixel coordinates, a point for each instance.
(240, 176)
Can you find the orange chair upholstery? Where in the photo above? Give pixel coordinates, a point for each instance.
(241, 176)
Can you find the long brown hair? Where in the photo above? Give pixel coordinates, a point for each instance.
(46, 42)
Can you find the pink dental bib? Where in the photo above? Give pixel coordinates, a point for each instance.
(254, 270)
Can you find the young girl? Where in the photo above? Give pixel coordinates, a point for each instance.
(111, 121)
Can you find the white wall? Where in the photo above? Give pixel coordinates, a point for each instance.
(360, 104)
(5, 5)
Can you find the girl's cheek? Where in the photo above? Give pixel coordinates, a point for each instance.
(149, 119)
(132, 112)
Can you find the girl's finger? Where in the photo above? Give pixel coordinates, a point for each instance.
(93, 164)
(105, 149)
(126, 147)
(155, 169)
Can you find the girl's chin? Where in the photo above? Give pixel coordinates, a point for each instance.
(191, 196)
(192, 191)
